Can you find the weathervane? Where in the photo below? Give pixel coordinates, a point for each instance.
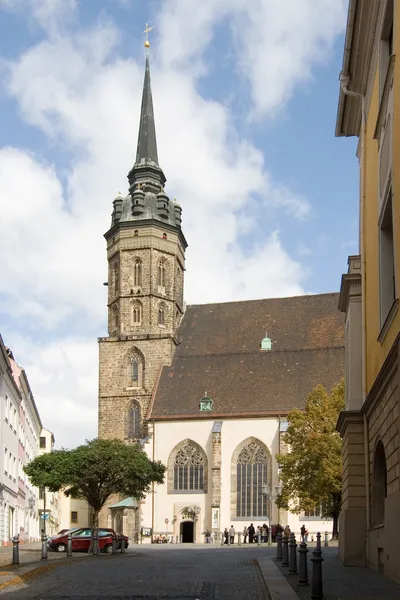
(146, 32)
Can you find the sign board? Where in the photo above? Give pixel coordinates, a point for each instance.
(145, 531)
(215, 518)
(46, 516)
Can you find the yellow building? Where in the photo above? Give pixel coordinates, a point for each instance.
(369, 107)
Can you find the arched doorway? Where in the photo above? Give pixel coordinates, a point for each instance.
(187, 531)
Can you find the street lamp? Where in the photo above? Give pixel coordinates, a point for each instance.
(266, 492)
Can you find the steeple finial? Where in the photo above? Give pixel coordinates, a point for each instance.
(146, 32)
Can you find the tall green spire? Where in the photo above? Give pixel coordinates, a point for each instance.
(147, 142)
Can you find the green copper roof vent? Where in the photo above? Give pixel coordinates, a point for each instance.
(206, 403)
(266, 343)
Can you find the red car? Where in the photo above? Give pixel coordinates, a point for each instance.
(81, 540)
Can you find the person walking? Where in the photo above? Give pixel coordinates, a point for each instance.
(245, 534)
(251, 532)
(208, 535)
(226, 534)
(303, 532)
(264, 534)
(232, 534)
(287, 531)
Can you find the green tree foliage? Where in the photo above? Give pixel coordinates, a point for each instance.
(95, 471)
(311, 472)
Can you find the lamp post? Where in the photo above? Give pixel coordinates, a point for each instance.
(266, 492)
(31, 504)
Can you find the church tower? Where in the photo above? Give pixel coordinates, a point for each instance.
(146, 263)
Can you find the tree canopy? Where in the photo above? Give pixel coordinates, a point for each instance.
(311, 472)
(96, 470)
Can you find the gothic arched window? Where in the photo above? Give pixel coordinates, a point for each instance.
(137, 313)
(134, 421)
(161, 275)
(251, 474)
(161, 315)
(135, 371)
(189, 468)
(137, 273)
(379, 485)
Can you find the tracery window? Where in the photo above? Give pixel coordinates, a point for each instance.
(189, 468)
(161, 315)
(135, 371)
(137, 313)
(137, 273)
(251, 471)
(161, 274)
(134, 421)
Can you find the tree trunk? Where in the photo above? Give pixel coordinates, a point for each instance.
(335, 533)
(94, 528)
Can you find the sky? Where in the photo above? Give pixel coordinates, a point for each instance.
(245, 98)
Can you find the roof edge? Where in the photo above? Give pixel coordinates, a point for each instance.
(211, 416)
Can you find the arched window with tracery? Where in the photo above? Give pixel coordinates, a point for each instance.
(137, 273)
(188, 463)
(252, 462)
(136, 313)
(161, 315)
(161, 274)
(134, 421)
(134, 371)
(379, 484)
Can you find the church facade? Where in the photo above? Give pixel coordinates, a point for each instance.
(202, 388)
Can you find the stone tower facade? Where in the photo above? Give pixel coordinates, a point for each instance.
(146, 263)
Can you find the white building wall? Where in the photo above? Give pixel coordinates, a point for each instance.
(74, 512)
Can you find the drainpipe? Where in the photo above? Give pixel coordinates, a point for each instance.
(152, 485)
(344, 82)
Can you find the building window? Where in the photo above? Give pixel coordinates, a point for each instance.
(251, 474)
(42, 442)
(135, 372)
(387, 280)
(161, 275)
(379, 485)
(189, 468)
(314, 513)
(161, 314)
(134, 421)
(137, 273)
(136, 313)
(386, 44)
(74, 516)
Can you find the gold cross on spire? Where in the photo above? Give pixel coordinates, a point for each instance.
(146, 32)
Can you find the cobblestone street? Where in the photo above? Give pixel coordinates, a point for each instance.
(155, 572)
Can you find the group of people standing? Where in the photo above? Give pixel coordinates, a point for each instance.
(253, 534)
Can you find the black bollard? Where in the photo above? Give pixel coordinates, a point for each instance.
(15, 556)
(69, 545)
(316, 579)
(123, 545)
(114, 544)
(303, 572)
(279, 546)
(285, 551)
(44, 547)
(292, 554)
(326, 539)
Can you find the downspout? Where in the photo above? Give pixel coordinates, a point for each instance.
(344, 82)
(152, 486)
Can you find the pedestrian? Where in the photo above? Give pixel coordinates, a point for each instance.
(245, 534)
(212, 538)
(226, 535)
(251, 532)
(306, 536)
(208, 535)
(258, 534)
(303, 532)
(232, 534)
(278, 529)
(264, 534)
(287, 531)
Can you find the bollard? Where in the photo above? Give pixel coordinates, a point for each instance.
(316, 579)
(44, 547)
(172, 539)
(222, 538)
(239, 538)
(279, 546)
(181, 538)
(269, 537)
(69, 545)
(303, 571)
(285, 551)
(177, 539)
(326, 543)
(15, 554)
(258, 539)
(292, 554)
(229, 540)
(123, 545)
(95, 542)
(114, 544)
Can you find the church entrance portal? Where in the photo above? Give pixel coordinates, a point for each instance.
(187, 531)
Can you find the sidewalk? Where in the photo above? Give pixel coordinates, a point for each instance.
(343, 583)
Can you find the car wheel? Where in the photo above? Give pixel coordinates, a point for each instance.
(108, 549)
(61, 548)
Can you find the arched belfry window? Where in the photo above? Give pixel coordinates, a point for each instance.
(379, 484)
(134, 371)
(161, 315)
(137, 273)
(252, 468)
(134, 421)
(187, 468)
(161, 274)
(136, 313)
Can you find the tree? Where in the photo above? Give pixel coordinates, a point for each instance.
(311, 471)
(95, 471)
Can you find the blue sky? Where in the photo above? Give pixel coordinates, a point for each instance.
(245, 105)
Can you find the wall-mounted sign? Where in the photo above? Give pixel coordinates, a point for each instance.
(145, 531)
(215, 518)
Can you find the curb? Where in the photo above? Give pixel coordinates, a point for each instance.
(276, 583)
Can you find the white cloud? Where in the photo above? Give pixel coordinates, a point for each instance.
(86, 99)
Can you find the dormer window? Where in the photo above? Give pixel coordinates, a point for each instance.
(266, 343)
(206, 403)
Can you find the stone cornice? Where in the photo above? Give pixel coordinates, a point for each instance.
(379, 384)
(347, 417)
(136, 224)
(349, 280)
